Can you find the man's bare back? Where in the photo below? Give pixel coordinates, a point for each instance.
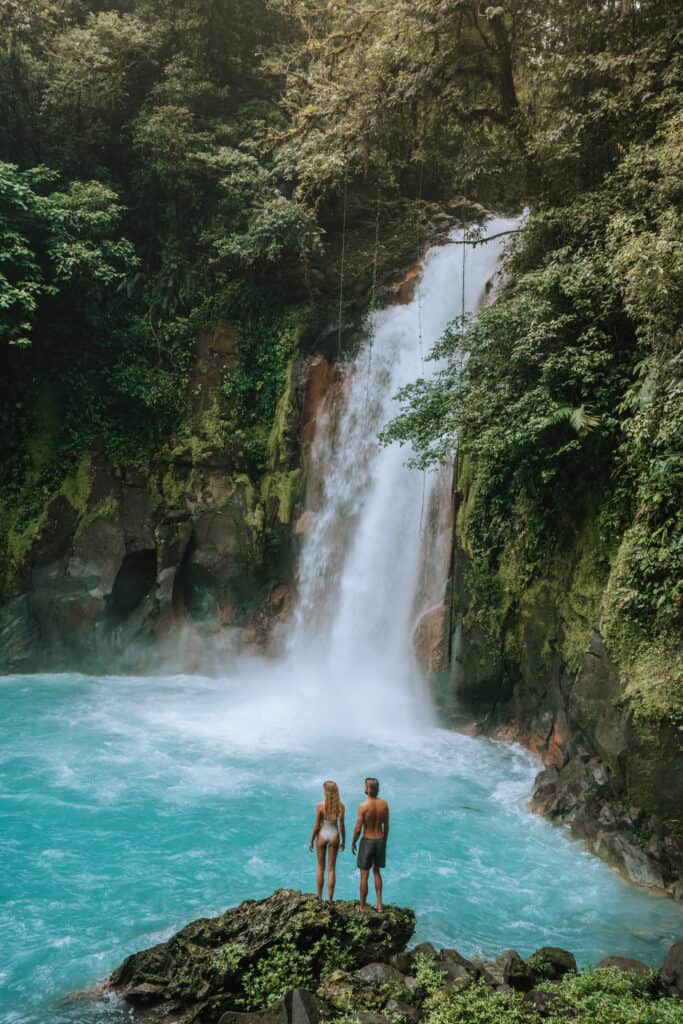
(374, 814)
(373, 823)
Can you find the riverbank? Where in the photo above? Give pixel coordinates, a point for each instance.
(572, 789)
(290, 959)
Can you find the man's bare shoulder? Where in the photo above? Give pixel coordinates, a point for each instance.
(374, 803)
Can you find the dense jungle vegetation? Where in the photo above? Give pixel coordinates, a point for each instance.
(165, 165)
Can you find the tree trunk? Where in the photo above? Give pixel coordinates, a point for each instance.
(508, 93)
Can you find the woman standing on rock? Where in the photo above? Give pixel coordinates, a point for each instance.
(328, 828)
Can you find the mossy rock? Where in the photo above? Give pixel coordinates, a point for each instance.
(244, 958)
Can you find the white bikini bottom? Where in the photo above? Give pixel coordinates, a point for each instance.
(328, 833)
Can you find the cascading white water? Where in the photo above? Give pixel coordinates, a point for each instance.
(360, 567)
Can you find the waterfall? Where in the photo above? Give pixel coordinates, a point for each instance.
(375, 554)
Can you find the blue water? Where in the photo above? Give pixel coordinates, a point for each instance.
(131, 806)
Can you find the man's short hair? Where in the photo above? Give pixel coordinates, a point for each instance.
(373, 786)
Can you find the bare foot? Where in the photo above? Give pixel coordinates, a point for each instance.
(361, 907)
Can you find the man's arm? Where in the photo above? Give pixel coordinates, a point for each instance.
(386, 824)
(358, 829)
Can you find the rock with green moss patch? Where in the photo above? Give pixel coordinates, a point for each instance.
(250, 956)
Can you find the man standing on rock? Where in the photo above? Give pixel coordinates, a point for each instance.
(373, 822)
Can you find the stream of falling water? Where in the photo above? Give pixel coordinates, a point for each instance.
(374, 559)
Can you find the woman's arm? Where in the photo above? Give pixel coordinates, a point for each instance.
(342, 826)
(316, 825)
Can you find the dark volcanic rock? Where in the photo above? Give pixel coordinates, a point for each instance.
(509, 969)
(625, 963)
(199, 974)
(402, 962)
(381, 974)
(453, 965)
(298, 1007)
(424, 949)
(672, 970)
(552, 962)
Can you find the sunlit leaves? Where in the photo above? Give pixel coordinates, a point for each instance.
(50, 241)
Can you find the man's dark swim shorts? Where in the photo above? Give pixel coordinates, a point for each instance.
(372, 853)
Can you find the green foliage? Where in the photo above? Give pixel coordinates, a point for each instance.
(565, 396)
(602, 996)
(426, 973)
(478, 1005)
(55, 245)
(276, 228)
(611, 996)
(374, 88)
(227, 959)
(285, 967)
(541, 967)
(269, 337)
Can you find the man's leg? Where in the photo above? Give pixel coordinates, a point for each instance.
(378, 886)
(363, 887)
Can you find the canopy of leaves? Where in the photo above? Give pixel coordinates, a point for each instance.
(56, 249)
(566, 393)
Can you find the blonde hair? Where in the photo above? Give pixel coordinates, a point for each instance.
(332, 800)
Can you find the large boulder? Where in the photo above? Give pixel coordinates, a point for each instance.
(672, 970)
(552, 962)
(511, 971)
(628, 965)
(248, 957)
(297, 1007)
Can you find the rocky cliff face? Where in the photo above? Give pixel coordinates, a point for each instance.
(186, 550)
(549, 681)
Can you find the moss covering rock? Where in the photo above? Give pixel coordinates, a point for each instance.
(291, 959)
(250, 956)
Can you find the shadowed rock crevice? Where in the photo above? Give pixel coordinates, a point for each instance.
(134, 581)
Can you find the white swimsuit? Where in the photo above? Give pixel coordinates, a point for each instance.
(328, 831)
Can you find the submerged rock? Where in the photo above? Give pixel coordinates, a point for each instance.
(250, 956)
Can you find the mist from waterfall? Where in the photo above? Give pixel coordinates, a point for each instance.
(361, 583)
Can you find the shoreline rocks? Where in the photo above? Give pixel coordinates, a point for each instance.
(292, 959)
(239, 960)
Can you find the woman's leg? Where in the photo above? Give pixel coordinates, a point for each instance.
(321, 846)
(331, 869)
